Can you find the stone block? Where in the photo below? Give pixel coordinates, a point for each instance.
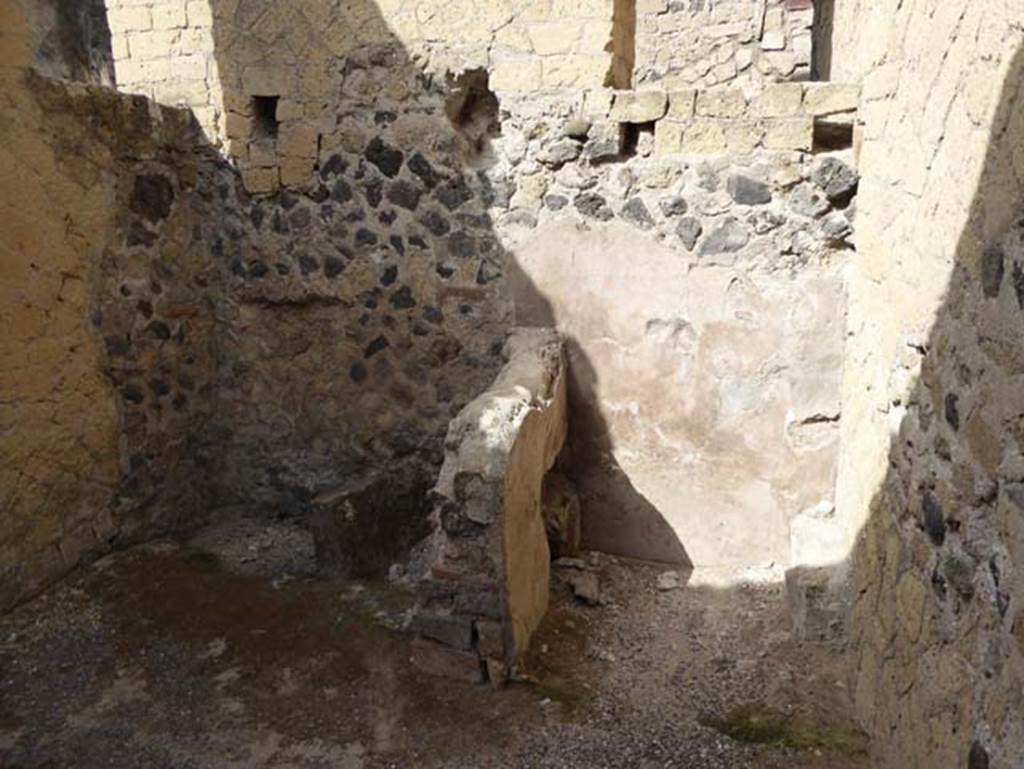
(169, 16)
(266, 81)
(153, 44)
(721, 103)
(574, 71)
(289, 109)
(639, 106)
(830, 98)
(743, 136)
(130, 19)
(446, 662)
(604, 141)
(594, 37)
(238, 149)
(261, 181)
(704, 137)
(516, 73)
(789, 134)
(681, 104)
(199, 13)
(552, 38)
(297, 139)
(453, 630)
(263, 153)
(668, 137)
(238, 126)
(296, 171)
(597, 104)
(779, 100)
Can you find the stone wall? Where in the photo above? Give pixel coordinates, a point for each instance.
(930, 463)
(215, 56)
(693, 43)
(298, 323)
(699, 286)
(103, 368)
(486, 581)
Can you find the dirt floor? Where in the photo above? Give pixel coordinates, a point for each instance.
(225, 652)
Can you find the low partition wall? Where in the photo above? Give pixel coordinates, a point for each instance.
(486, 588)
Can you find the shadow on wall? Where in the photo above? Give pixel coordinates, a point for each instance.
(370, 299)
(938, 569)
(73, 40)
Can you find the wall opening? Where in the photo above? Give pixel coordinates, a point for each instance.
(264, 111)
(473, 110)
(831, 136)
(637, 139)
(623, 45)
(821, 40)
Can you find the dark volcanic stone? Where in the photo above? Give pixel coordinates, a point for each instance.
(992, 269)
(140, 235)
(374, 193)
(300, 218)
(635, 211)
(592, 204)
(461, 244)
(374, 347)
(808, 201)
(421, 167)
(952, 410)
(333, 266)
(689, 230)
(747, 191)
(335, 165)
(673, 206)
(730, 236)
(133, 393)
(365, 237)
(117, 346)
(159, 330)
(454, 193)
(152, 196)
(319, 195)
(556, 202)
(404, 194)
(403, 299)
(357, 371)
(934, 520)
(836, 179)
(1018, 284)
(386, 158)
(435, 223)
(341, 192)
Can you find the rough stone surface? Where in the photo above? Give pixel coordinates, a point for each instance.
(933, 549)
(489, 526)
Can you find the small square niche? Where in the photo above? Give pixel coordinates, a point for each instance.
(264, 112)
